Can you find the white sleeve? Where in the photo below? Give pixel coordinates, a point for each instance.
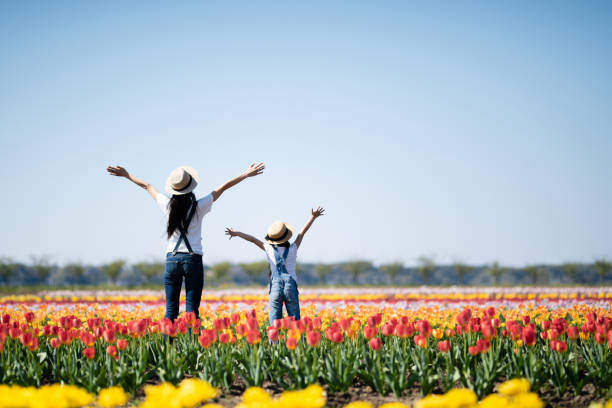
(205, 204)
(162, 202)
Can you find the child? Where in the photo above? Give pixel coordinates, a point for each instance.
(282, 258)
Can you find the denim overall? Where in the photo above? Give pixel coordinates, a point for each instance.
(283, 288)
(189, 265)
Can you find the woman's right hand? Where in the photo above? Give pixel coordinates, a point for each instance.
(117, 171)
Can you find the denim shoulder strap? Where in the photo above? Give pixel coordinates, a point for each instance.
(280, 260)
(183, 230)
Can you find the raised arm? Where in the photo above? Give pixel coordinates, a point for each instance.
(314, 214)
(233, 233)
(119, 171)
(253, 170)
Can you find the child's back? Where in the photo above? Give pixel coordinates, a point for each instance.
(282, 258)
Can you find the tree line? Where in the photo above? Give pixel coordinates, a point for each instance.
(41, 270)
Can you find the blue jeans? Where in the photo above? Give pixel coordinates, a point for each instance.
(283, 289)
(177, 266)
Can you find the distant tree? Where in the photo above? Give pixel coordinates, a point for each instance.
(426, 267)
(544, 274)
(536, 272)
(603, 268)
(392, 269)
(571, 271)
(220, 271)
(113, 270)
(74, 270)
(356, 268)
(42, 267)
(461, 270)
(7, 269)
(322, 271)
(255, 269)
(149, 270)
(496, 272)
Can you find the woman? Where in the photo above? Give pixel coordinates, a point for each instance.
(184, 230)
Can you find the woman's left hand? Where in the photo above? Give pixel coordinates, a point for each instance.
(231, 232)
(254, 170)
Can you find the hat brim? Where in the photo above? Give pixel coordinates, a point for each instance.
(285, 239)
(194, 182)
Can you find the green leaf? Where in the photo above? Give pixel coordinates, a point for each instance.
(42, 356)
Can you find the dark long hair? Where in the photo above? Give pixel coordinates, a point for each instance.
(179, 206)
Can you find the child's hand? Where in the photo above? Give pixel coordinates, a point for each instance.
(254, 170)
(318, 212)
(117, 171)
(231, 232)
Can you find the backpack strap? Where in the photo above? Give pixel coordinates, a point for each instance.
(183, 230)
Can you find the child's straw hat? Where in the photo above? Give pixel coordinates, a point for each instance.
(279, 232)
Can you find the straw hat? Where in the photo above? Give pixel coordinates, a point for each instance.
(279, 232)
(182, 180)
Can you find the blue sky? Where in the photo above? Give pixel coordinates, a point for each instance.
(477, 131)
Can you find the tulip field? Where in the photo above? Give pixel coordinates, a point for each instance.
(423, 347)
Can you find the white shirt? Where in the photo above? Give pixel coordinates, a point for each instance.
(290, 262)
(194, 231)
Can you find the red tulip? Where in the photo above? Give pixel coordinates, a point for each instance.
(224, 338)
(483, 345)
(112, 351)
(488, 331)
(253, 337)
(64, 336)
(89, 353)
(370, 331)
(423, 327)
(337, 337)
(375, 343)
(55, 342)
(29, 316)
(387, 329)
(528, 335)
(122, 344)
(420, 340)
(291, 343)
(108, 335)
(235, 318)
(444, 346)
(313, 338)
(572, 332)
(404, 330)
(463, 318)
(272, 333)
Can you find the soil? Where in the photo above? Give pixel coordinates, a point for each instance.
(362, 392)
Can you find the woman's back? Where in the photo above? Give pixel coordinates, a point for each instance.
(194, 230)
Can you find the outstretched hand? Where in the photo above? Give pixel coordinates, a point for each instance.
(231, 232)
(254, 170)
(117, 171)
(318, 212)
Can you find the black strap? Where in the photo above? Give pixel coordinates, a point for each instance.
(183, 230)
